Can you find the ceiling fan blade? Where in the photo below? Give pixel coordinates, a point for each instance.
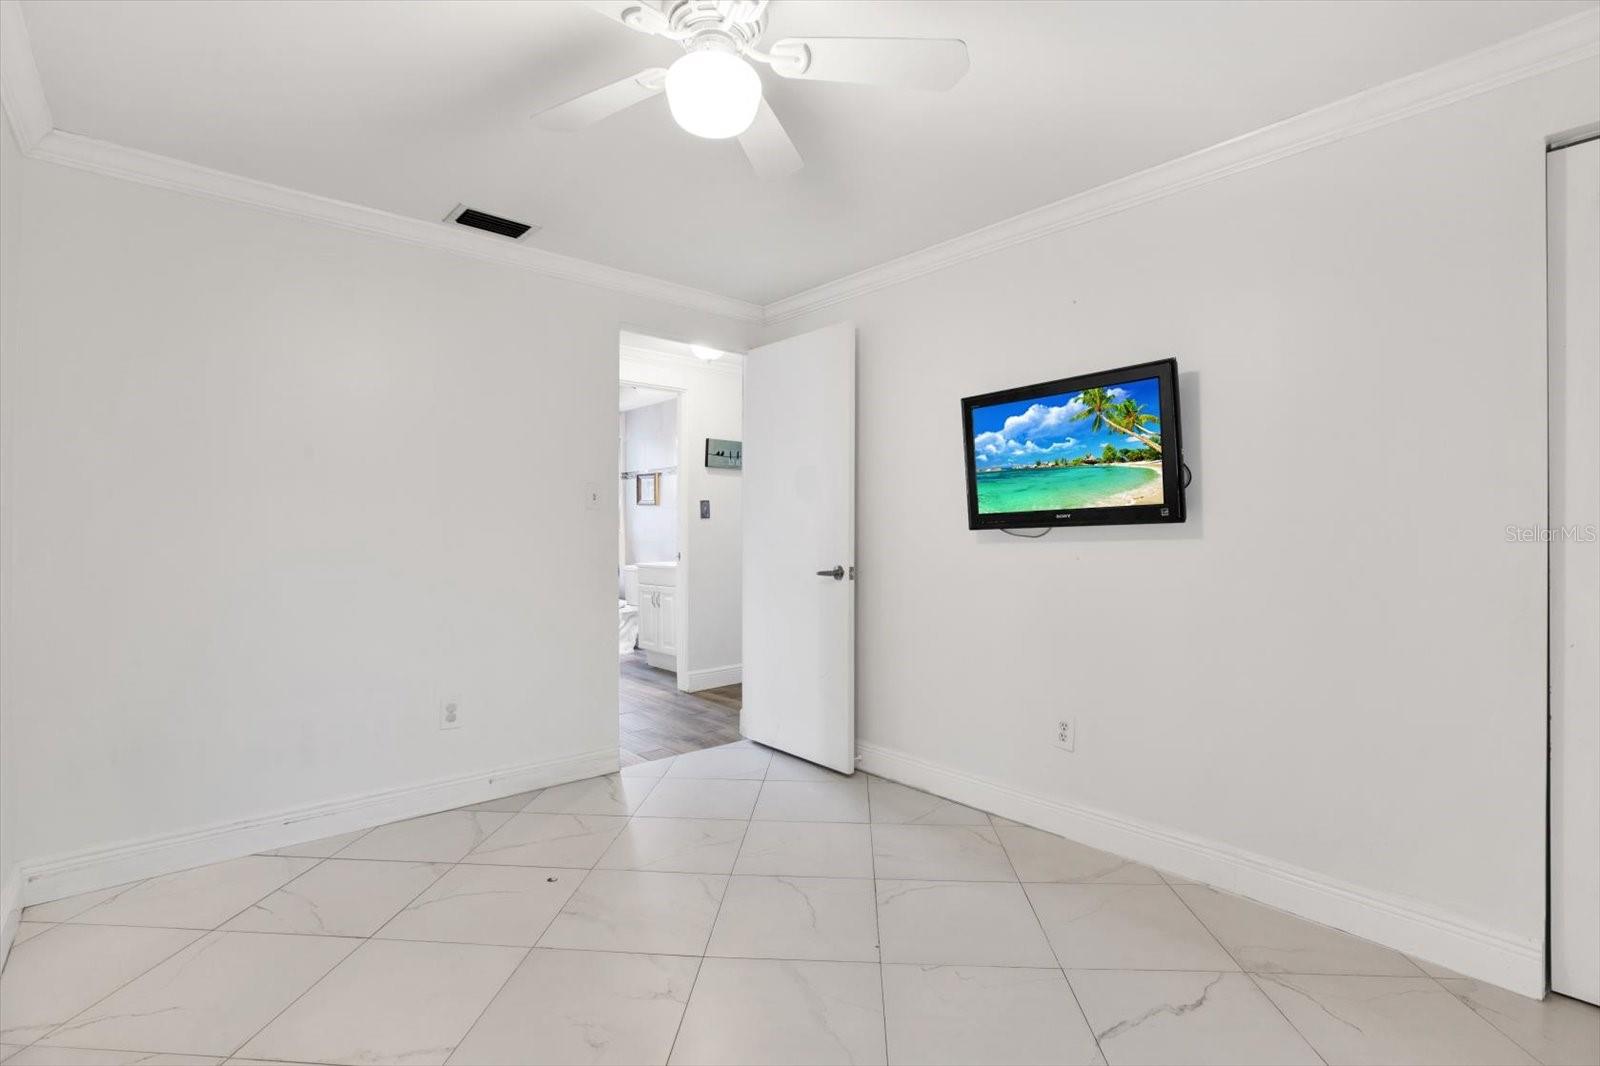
(602, 103)
(767, 145)
(912, 62)
(642, 15)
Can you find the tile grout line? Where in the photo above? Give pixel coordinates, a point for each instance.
(769, 958)
(374, 934)
(788, 877)
(280, 888)
(344, 959)
(122, 889)
(1255, 981)
(320, 860)
(67, 1020)
(557, 866)
(1466, 1003)
(727, 886)
(587, 873)
(1248, 975)
(1256, 977)
(1051, 944)
(165, 959)
(877, 927)
(523, 961)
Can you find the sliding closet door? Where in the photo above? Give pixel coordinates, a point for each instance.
(1574, 243)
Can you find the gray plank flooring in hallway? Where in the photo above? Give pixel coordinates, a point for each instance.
(658, 721)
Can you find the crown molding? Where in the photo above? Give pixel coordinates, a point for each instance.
(25, 104)
(21, 91)
(102, 157)
(1546, 48)
(1558, 44)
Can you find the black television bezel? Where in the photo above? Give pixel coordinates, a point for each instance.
(1171, 509)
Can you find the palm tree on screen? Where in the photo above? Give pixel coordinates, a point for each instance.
(1107, 412)
(1131, 413)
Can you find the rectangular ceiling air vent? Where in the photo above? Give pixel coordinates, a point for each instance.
(500, 227)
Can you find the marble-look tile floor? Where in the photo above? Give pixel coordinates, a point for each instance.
(731, 905)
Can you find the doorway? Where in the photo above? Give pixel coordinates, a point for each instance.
(679, 411)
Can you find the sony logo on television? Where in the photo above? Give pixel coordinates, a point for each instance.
(1066, 515)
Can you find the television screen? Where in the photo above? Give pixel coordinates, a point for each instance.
(1097, 449)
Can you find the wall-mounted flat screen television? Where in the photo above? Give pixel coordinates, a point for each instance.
(1096, 449)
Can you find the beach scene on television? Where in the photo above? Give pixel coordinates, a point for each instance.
(1091, 448)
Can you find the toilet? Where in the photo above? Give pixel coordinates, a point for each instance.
(628, 611)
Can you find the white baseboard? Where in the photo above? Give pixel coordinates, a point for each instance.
(10, 910)
(1409, 925)
(715, 677)
(86, 871)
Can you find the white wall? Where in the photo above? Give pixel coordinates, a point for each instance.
(1337, 666)
(650, 442)
(710, 405)
(274, 492)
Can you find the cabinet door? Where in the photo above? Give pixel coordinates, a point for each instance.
(667, 621)
(649, 620)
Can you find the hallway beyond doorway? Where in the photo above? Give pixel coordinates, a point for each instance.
(658, 721)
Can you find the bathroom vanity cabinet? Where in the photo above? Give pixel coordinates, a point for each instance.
(658, 614)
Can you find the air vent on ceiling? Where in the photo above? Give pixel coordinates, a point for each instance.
(500, 227)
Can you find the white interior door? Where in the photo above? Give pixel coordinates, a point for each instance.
(1574, 242)
(799, 547)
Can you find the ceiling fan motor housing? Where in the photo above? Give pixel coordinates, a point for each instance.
(713, 90)
(735, 25)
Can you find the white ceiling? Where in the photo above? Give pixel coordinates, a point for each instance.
(416, 106)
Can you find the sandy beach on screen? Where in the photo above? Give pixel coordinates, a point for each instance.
(1148, 493)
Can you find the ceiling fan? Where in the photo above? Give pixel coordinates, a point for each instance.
(712, 89)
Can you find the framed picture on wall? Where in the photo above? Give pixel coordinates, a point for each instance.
(647, 490)
(724, 454)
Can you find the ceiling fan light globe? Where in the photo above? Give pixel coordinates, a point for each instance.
(713, 94)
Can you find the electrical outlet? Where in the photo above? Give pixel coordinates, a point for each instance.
(1066, 737)
(449, 718)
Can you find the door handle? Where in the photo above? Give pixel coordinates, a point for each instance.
(837, 573)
